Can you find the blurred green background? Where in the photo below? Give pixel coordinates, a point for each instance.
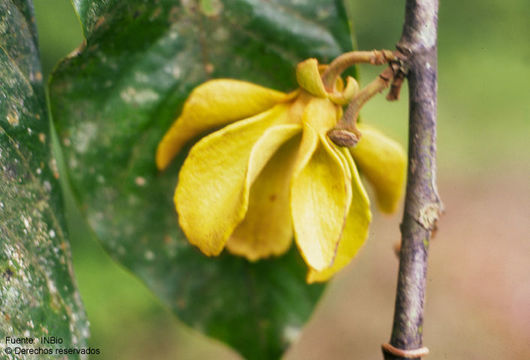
(479, 284)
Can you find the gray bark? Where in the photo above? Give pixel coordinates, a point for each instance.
(422, 204)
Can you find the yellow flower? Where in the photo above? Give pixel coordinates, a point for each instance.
(272, 172)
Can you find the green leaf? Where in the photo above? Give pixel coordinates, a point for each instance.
(38, 296)
(114, 100)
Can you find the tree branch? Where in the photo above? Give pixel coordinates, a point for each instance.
(422, 204)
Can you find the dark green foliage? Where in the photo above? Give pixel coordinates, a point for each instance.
(113, 101)
(38, 296)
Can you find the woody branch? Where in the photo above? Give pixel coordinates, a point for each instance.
(418, 44)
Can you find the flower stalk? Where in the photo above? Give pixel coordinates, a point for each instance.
(346, 132)
(347, 60)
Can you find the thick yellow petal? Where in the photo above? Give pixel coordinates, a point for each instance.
(320, 200)
(267, 228)
(321, 115)
(318, 115)
(268, 144)
(212, 194)
(383, 162)
(308, 77)
(213, 104)
(355, 230)
(343, 96)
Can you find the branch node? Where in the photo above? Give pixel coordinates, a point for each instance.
(403, 50)
(397, 248)
(407, 354)
(429, 214)
(400, 70)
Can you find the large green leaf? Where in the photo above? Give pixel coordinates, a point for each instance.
(38, 296)
(114, 99)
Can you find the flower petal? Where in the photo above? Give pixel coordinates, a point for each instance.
(355, 230)
(320, 200)
(383, 162)
(344, 96)
(321, 115)
(212, 104)
(267, 228)
(212, 194)
(318, 116)
(308, 77)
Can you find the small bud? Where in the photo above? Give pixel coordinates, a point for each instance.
(397, 248)
(342, 137)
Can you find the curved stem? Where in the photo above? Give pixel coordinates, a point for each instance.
(345, 133)
(346, 60)
(349, 119)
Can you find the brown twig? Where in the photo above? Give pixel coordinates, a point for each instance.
(400, 72)
(422, 204)
(345, 132)
(346, 60)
